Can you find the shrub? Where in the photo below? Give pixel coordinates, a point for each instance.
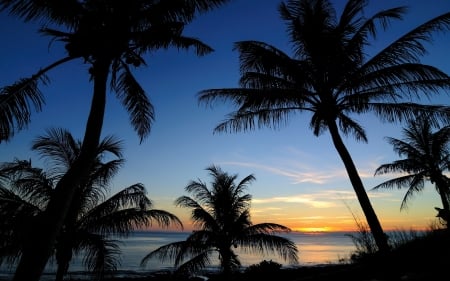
(263, 267)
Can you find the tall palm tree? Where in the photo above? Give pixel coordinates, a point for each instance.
(111, 37)
(222, 218)
(93, 218)
(426, 157)
(331, 77)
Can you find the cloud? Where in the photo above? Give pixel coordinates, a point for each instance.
(300, 173)
(322, 199)
(296, 176)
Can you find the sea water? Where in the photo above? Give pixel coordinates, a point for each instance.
(313, 249)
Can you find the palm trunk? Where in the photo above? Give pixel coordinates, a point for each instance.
(45, 231)
(371, 217)
(226, 264)
(441, 185)
(63, 264)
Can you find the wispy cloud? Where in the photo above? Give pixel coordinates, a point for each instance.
(323, 199)
(298, 172)
(295, 175)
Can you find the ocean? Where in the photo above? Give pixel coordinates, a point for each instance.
(314, 249)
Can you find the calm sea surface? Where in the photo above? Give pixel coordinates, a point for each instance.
(314, 249)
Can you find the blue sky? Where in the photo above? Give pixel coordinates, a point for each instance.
(300, 179)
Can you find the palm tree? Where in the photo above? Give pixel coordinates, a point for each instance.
(111, 37)
(331, 77)
(222, 218)
(93, 219)
(426, 157)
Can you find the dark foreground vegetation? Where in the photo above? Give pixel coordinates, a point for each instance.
(423, 258)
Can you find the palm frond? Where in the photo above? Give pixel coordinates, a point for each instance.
(270, 244)
(104, 172)
(16, 104)
(200, 191)
(102, 255)
(134, 196)
(259, 57)
(181, 10)
(349, 126)
(59, 147)
(407, 80)
(267, 228)
(169, 35)
(168, 252)
(111, 145)
(245, 120)
(136, 102)
(163, 218)
(409, 47)
(403, 111)
(50, 11)
(194, 264)
(365, 27)
(15, 208)
(204, 219)
(126, 211)
(417, 185)
(399, 182)
(30, 184)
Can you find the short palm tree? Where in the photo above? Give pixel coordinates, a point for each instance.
(330, 76)
(111, 37)
(426, 157)
(222, 216)
(93, 218)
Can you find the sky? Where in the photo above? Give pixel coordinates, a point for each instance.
(300, 179)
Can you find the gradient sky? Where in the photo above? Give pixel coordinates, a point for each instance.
(300, 179)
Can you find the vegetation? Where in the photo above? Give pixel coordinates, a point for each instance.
(264, 270)
(331, 77)
(426, 157)
(111, 37)
(222, 216)
(93, 219)
(365, 245)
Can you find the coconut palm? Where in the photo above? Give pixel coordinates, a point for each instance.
(93, 218)
(221, 216)
(426, 157)
(330, 76)
(111, 37)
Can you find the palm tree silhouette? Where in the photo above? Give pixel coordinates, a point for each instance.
(426, 157)
(93, 218)
(111, 37)
(330, 77)
(222, 219)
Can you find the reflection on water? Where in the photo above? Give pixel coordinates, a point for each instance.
(313, 249)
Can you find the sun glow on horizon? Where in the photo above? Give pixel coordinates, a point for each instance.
(313, 229)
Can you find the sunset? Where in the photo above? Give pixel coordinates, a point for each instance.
(124, 119)
(298, 176)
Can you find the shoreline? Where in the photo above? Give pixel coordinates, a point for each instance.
(161, 274)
